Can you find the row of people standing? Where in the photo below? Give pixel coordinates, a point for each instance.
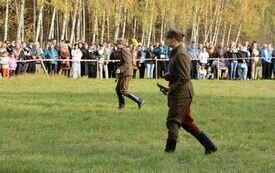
(144, 60)
(235, 62)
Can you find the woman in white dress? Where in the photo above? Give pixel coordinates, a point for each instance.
(76, 58)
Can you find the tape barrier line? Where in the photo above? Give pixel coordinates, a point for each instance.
(100, 61)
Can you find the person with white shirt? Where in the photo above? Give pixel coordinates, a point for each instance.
(203, 56)
(76, 58)
(4, 61)
(104, 55)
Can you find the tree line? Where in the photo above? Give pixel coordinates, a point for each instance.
(95, 21)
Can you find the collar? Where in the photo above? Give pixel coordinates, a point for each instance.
(175, 49)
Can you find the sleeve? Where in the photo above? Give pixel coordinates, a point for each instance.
(165, 51)
(45, 54)
(183, 70)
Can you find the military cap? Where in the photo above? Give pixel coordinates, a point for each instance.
(121, 41)
(174, 33)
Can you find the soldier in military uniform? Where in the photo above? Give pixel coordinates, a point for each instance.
(180, 93)
(124, 74)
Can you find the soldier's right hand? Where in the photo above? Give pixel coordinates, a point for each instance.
(117, 71)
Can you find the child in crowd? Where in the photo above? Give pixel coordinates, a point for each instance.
(209, 74)
(4, 61)
(12, 64)
(202, 72)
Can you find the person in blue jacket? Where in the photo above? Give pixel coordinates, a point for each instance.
(266, 55)
(51, 55)
(162, 52)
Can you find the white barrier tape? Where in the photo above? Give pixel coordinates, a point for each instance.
(86, 60)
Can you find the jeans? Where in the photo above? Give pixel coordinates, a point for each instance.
(273, 68)
(194, 69)
(142, 70)
(266, 70)
(243, 70)
(150, 70)
(105, 68)
(52, 69)
(233, 69)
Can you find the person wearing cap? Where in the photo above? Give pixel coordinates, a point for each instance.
(124, 74)
(180, 94)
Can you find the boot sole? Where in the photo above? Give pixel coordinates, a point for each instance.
(141, 104)
(210, 151)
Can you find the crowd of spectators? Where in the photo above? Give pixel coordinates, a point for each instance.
(248, 61)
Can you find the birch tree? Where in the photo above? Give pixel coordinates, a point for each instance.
(20, 29)
(6, 20)
(74, 21)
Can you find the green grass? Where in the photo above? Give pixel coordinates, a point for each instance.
(53, 124)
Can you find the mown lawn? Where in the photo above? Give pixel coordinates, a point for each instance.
(53, 124)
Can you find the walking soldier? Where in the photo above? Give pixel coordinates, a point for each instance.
(124, 74)
(180, 93)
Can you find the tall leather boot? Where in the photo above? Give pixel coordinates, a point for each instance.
(170, 145)
(207, 143)
(136, 99)
(121, 101)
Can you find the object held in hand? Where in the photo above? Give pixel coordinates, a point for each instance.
(118, 71)
(163, 89)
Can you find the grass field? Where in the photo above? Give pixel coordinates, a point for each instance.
(61, 125)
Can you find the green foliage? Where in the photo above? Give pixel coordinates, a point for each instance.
(178, 13)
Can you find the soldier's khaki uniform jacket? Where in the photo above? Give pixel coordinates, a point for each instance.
(125, 64)
(180, 97)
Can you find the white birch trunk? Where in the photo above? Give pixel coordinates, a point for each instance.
(51, 34)
(6, 21)
(142, 36)
(124, 22)
(162, 24)
(224, 31)
(117, 19)
(197, 36)
(65, 23)
(73, 23)
(95, 28)
(206, 25)
(195, 14)
(217, 29)
(57, 26)
(79, 11)
(41, 30)
(135, 27)
(103, 27)
(210, 31)
(229, 34)
(20, 28)
(108, 27)
(39, 23)
(150, 27)
(83, 22)
(239, 32)
(34, 18)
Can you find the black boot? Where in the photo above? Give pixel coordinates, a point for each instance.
(170, 145)
(121, 101)
(207, 143)
(136, 99)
